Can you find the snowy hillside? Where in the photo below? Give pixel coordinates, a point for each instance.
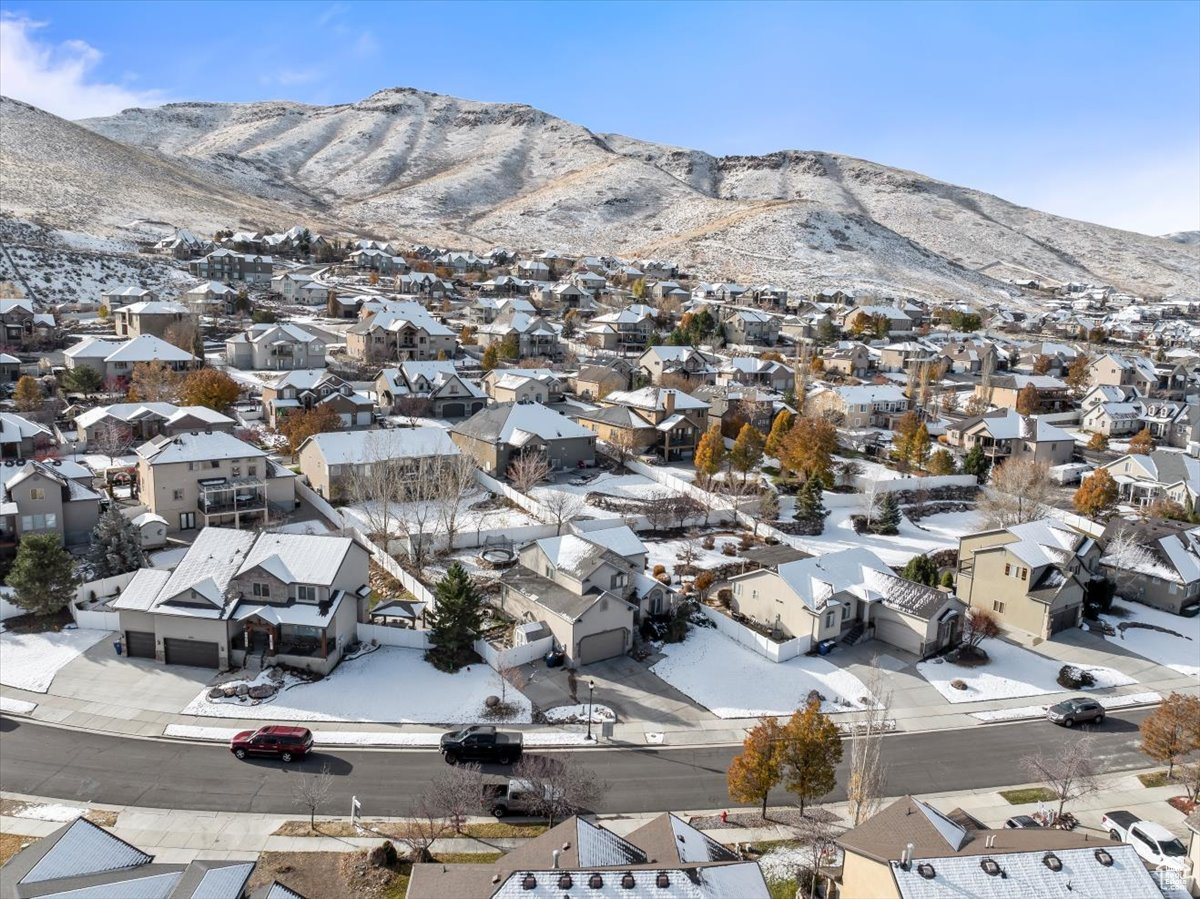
(413, 165)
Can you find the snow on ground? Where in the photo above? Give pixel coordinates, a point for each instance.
(1013, 671)
(16, 706)
(1179, 651)
(572, 714)
(469, 519)
(951, 525)
(30, 661)
(420, 694)
(894, 550)
(1037, 711)
(623, 486)
(48, 812)
(667, 553)
(365, 738)
(405, 421)
(734, 682)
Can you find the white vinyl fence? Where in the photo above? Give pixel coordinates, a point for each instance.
(393, 636)
(392, 567)
(100, 621)
(514, 655)
(489, 483)
(318, 502)
(863, 483)
(776, 652)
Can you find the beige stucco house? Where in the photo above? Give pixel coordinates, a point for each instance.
(48, 497)
(330, 461)
(1006, 434)
(499, 434)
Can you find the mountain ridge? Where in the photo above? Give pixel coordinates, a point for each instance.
(410, 164)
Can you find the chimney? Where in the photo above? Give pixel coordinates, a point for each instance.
(669, 401)
(555, 855)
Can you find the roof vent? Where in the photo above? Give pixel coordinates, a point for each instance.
(1052, 861)
(596, 882)
(926, 871)
(529, 882)
(565, 882)
(662, 881)
(990, 867)
(627, 881)
(1104, 857)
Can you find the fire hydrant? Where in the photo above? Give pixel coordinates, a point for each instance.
(724, 817)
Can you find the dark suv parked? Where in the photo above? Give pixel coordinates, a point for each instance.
(286, 743)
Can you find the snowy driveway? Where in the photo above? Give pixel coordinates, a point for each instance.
(30, 661)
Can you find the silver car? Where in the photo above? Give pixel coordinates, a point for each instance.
(1074, 711)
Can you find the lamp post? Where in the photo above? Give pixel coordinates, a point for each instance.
(591, 687)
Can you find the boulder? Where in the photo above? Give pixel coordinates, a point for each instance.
(492, 701)
(261, 691)
(242, 690)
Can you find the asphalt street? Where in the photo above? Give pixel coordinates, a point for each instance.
(73, 765)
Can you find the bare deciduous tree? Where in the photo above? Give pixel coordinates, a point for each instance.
(1070, 773)
(623, 447)
(112, 439)
(528, 470)
(817, 834)
(312, 791)
(870, 500)
(426, 823)
(558, 787)
(684, 507)
(868, 771)
(511, 676)
(560, 506)
(455, 479)
(1020, 491)
(658, 511)
(456, 793)
(412, 408)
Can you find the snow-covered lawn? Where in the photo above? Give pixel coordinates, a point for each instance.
(390, 684)
(574, 714)
(951, 525)
(30, 661)
(621, 486)
(668, 552)
(48, 812)
(734, 682)
(469, 519)
(1012, 671)
(16, 706)
(1179, 651)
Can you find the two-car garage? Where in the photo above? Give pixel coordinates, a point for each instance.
(176, 651)
(601, 646)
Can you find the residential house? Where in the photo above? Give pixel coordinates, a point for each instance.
(535, 337)
(1113, 419)
(117, 297)
(664, 859)
(1144, 479)
(1172, 422)
(308, 388)
(748, 327)
(847, 594)
(863, 406)
(906, 355)
(1155, 562)
(184, 245)
(597, 381)
(244, 598)
(210, 298)
(864, 317)
(376, 260)
(462, 262)
(730, 406)
(1006, 434)
(849, 359)
(659, 420)
(970, 356)
(115, 360)
(226, 265)
(448, 393)
(768, 373)
(154, 318)
(498, 435)
(20, 438)
(399, 332)
(1137, 372)
(1031, 576)
(524, 385)
(23, 328)
(910, 850)
(54, 496)
(202, 478)
(532, 270)
(1106, 393)
(486, 309)
(626, 331)
(127, 424)
(332, 461)
(275, 347)
(686, 362)
(84, 859)
(1005, 391)
(10, 369)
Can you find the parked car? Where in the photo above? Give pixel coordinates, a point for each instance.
(1074, 711)
(1152, 842)
(481, 743)
(285, 743)
(1019, 822)
(513, 797)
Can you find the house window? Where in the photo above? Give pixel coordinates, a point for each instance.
(1007, 569)
(263, 590)
(618, 580)
(845, 612)
(214, 463)
(306, 593)
(829, 620)
(235, 470)
(39, 522)
(36, 493)
(997, 607)
(177, 495)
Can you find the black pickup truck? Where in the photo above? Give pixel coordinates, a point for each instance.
(480, 743)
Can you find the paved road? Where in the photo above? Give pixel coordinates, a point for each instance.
(73, 765)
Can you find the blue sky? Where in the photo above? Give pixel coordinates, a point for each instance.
(1090, 110)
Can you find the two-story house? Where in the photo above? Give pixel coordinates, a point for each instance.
(498, 435)
(134, 423)
(226, 265)
(1005, 391)
(400, 332)
(114, 361)
(597, 381)
(1006, 434)
(376, 260)
(1143, 479)
(535, 337)
(661, 420)
(626, 331)
(210, 298)
(308, 388)
(730, 406)
(447, 391)
(20, 438)
(331, 461)
(686, 362)
(254, 599)
(154, 318)
(48, 497)
(862, 406)
(1155, 561)
(1136, 372)
(748, 327)
(1031, 576)
(21, 327)
(275, 347)
(524, 385)
(847, 358)
(200, 479)
(767, 373)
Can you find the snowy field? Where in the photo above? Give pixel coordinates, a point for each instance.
(734, 682)
(357, 691)
(625, 486)
(30, 661)
(1012, 672)
(668, 552)
(1179, 651)
(469, 519)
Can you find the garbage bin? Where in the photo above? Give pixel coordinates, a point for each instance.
(118, 646)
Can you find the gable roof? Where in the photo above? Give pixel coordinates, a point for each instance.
(515, 422)
(816, 580)
(75, 849)
(196, 446)
(348, 447)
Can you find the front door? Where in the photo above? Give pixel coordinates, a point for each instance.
(187, 521)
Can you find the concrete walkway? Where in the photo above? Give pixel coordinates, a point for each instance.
(177, 836)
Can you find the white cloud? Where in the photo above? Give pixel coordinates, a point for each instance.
(291, 76)
(56, 77)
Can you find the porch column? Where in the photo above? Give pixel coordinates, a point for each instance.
(324, 643)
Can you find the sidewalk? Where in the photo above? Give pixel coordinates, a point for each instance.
(177, 836)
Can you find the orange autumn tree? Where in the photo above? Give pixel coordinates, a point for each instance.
(758, 769)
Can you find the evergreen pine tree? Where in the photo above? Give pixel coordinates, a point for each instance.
(456, 622)
(977, 463)
(921, 569)
(42, 575)
(810, 508)
(888, 519)
(116, 546)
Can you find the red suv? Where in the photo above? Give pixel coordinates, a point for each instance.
(286, 743)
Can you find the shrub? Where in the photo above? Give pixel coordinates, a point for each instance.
(948, 579)
(709, 541)
(1073, 678)
(725, 597)
(958, 684)
(704, 580)
(659, 569)
(728, 550)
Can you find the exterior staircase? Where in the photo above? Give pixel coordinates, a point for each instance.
(853, 635)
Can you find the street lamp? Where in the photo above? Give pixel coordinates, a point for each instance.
(591, 687)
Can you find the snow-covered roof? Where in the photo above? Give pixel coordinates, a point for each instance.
(1044, 542)
(196, 447)
(868, 394)
(146, 348)
(815, 580)
(168, 412)
(503, 421)
(300, 613)
(347, 447)
(308, 558)
(742, 880)
(655, 398)
(15, 428)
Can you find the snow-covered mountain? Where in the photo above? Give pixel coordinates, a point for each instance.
(417, 166)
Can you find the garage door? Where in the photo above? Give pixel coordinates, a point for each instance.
(601, 646)
(139, 644)
(453, 410)
(192, 652)
(1064, 619)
